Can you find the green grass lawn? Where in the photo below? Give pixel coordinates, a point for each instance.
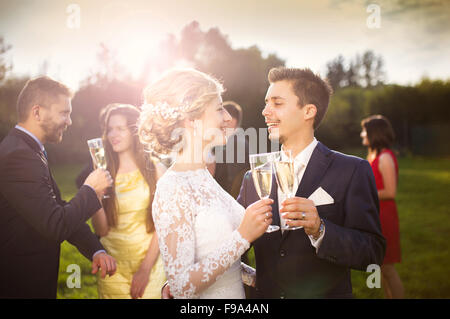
(65, 176)
(423, 202)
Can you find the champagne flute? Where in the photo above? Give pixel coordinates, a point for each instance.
(261, 166)
(97, 152)
(284, 172)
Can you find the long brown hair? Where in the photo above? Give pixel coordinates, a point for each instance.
(379, 132)
(142, 159)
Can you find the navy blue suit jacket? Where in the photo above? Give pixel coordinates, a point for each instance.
(287, 265)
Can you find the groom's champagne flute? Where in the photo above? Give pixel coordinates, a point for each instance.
(98, 154)
(285, 177)
(261, 166)
(284, 172)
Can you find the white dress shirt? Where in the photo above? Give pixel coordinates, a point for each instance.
(300, 163)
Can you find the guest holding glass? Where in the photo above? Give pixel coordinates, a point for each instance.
(34, 219)
(378, 136)
(125, 222)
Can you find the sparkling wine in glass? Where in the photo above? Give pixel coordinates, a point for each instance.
(283, 163)
(97, 152)
(261, 166)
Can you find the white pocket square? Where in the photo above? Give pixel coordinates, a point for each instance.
(321, 197)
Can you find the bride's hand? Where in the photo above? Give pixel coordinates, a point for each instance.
(258, 216)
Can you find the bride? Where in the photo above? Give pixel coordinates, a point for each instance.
(202, 231)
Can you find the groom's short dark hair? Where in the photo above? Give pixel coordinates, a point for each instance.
(309, 88)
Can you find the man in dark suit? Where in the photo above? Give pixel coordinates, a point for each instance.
(231, 160)
(336, 202)
(34, 220)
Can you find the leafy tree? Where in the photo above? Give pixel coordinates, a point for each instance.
(108, 83)
(372, 68)
(341, 126)
(358, 84)
(361, 71)
(336, 72)
(9, 92)
(243, 71)
(4, 67)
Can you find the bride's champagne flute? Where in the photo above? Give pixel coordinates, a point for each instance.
(261, 166)
(284, 171)
(97, 152)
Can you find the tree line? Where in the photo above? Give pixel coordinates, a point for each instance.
(358, 84)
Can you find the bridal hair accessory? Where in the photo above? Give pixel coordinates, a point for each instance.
(163, 110)
(156, 126)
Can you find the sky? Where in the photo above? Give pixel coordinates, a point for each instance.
(412, 36)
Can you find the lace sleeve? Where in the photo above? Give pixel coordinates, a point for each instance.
(173, 213)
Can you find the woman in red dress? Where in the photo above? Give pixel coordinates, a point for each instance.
(377, 135)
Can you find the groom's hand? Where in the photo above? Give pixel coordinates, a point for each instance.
(105, 262)
(299, 211)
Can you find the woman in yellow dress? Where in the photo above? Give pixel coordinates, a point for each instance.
(125, 222)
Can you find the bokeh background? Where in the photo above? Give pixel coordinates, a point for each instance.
(381, 57)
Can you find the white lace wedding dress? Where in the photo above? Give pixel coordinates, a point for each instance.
(196, 222)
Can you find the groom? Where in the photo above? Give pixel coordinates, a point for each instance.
(336, 201)
(34, 220)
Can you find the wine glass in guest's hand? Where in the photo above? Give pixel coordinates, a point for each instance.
(283, 164)
(261, 166)
(97, 152)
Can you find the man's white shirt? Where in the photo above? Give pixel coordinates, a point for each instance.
(300, 163)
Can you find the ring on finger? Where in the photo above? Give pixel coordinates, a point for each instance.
(303, 216)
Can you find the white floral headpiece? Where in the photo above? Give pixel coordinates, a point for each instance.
(165, 111)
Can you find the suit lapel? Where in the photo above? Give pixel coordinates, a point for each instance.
(316, 169)
(31, 143)
(314, 172)
(27, 139)
(35, 147)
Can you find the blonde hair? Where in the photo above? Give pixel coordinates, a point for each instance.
(178, 95)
